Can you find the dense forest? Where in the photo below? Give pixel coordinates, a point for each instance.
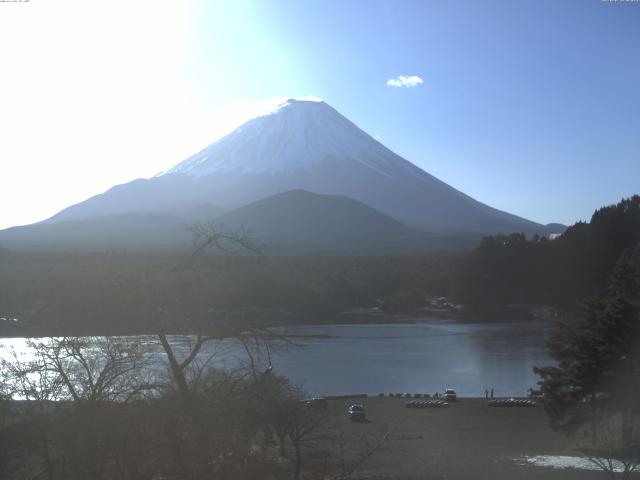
(564, 271)
(116, 293)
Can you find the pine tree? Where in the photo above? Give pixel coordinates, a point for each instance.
(597, 374)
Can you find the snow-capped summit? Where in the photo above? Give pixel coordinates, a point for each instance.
(296, 135)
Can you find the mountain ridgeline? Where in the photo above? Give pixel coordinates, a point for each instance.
(303, 178)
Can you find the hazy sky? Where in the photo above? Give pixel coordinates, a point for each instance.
(531, 106)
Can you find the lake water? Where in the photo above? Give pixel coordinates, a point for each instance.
(422, 357)
(418, 358)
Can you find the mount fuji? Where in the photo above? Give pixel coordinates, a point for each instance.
(301, 145)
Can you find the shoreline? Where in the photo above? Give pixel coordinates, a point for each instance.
(345, 318)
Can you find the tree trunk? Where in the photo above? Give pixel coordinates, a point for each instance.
(176, 371)
(593, 420)
(46, 453)
(282, 438)
(298, 465)
(627, 427)
(171, 434)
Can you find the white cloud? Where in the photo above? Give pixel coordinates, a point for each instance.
(404, 81)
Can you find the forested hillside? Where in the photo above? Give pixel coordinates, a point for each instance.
(109, 293)
(514, 269)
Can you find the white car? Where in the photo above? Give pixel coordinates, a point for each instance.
(450, 395)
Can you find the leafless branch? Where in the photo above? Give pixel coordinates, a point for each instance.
(217, 238)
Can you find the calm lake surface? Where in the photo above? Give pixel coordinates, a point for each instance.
(418, 358)
(398, 358)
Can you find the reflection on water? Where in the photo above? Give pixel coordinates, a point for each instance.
(417, 358)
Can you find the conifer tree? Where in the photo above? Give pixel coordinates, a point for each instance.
(597, 374)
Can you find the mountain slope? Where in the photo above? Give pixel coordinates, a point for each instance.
(130, 231)
(304, 222)
(290, 223)
(309, 215)
(304, 145)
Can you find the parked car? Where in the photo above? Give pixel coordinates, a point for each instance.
(356, 413)
(450, 395)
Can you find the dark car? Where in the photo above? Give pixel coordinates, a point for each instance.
(356, 413)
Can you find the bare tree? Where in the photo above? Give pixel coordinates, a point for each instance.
(30, 380)
(211, 237)
(96, 369)
(623, 461)
(180, 368)
(612, 454)
(76, 391)
(299, 425)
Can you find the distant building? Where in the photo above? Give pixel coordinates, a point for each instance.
(554, 236)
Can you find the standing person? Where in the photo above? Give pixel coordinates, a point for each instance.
(486, 393)
(492, 393)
